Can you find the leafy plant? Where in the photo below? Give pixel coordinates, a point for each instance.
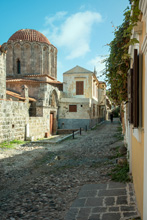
(120, 173)
(118, 62)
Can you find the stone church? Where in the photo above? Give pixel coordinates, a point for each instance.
(29, 52)
(31, 75)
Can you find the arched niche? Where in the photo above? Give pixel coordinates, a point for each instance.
(27, 58)
(45, 60)
(9, 61)
(53, 99)
(36, 58)
(17, 58)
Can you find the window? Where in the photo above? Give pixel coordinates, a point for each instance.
(18, 66)
(79, 88)
(135, 91)
(72, 108)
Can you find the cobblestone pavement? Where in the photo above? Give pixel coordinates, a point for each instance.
(110, 201)
(44, 182)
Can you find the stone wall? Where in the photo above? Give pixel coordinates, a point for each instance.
(15, 122)
(13, 119)
(38, 126)
(2, 75)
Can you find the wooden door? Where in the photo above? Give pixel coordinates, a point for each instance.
(51, 123)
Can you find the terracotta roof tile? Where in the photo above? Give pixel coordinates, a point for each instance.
(30, 35)
(17, 95)
(31, 81)
(44, 75)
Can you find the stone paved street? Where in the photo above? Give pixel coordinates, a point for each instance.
(110, 201)
(68, 180)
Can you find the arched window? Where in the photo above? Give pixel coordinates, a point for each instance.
(18, 67)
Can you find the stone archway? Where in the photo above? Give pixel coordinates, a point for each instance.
(53, 99)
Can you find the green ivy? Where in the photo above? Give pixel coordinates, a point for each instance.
(118, 62)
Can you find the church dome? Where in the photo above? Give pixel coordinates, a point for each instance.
(28, 35)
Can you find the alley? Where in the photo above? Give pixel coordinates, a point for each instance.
(45, 186)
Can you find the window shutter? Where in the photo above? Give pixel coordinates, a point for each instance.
(140, 88)
(72, 108)
(129, 94)
(79, 87)
(136, 90)
(131, 98)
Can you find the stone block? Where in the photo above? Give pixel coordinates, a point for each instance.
(127, 208)
(87, 193)
(84, 213)
(79, 203)
(94, 186)
(94, 202)
(112, 192)
(109, 201)
(95, 217)
(130, 214)
(114, 209)
(111, 216)
(116, 185)
(122, 200)
(99, 209)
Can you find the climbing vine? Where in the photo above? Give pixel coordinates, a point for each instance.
(118, 62)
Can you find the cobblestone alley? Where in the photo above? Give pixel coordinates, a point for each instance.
(66, 181)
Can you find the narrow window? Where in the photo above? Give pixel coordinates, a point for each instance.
(72, 108)
(79, 88)
(18, 66)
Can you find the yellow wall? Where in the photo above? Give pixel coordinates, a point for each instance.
(138, 146)
(137, 169)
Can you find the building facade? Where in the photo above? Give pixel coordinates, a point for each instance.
(33, 103)
(29, 52)
(30, 66)
(82, 103)
(135, 111)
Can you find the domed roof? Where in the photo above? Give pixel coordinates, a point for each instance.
(29, 35)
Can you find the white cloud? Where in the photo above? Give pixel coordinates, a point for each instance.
(98, 64)
(59, 15)
(73, 33)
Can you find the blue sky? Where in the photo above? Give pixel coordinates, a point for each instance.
(80, 29)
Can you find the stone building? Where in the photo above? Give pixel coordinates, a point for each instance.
(81, 103)
(13, 114)
(32, 101)
(29, 52)
(31, 71)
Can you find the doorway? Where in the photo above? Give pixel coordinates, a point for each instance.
(51, 123)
